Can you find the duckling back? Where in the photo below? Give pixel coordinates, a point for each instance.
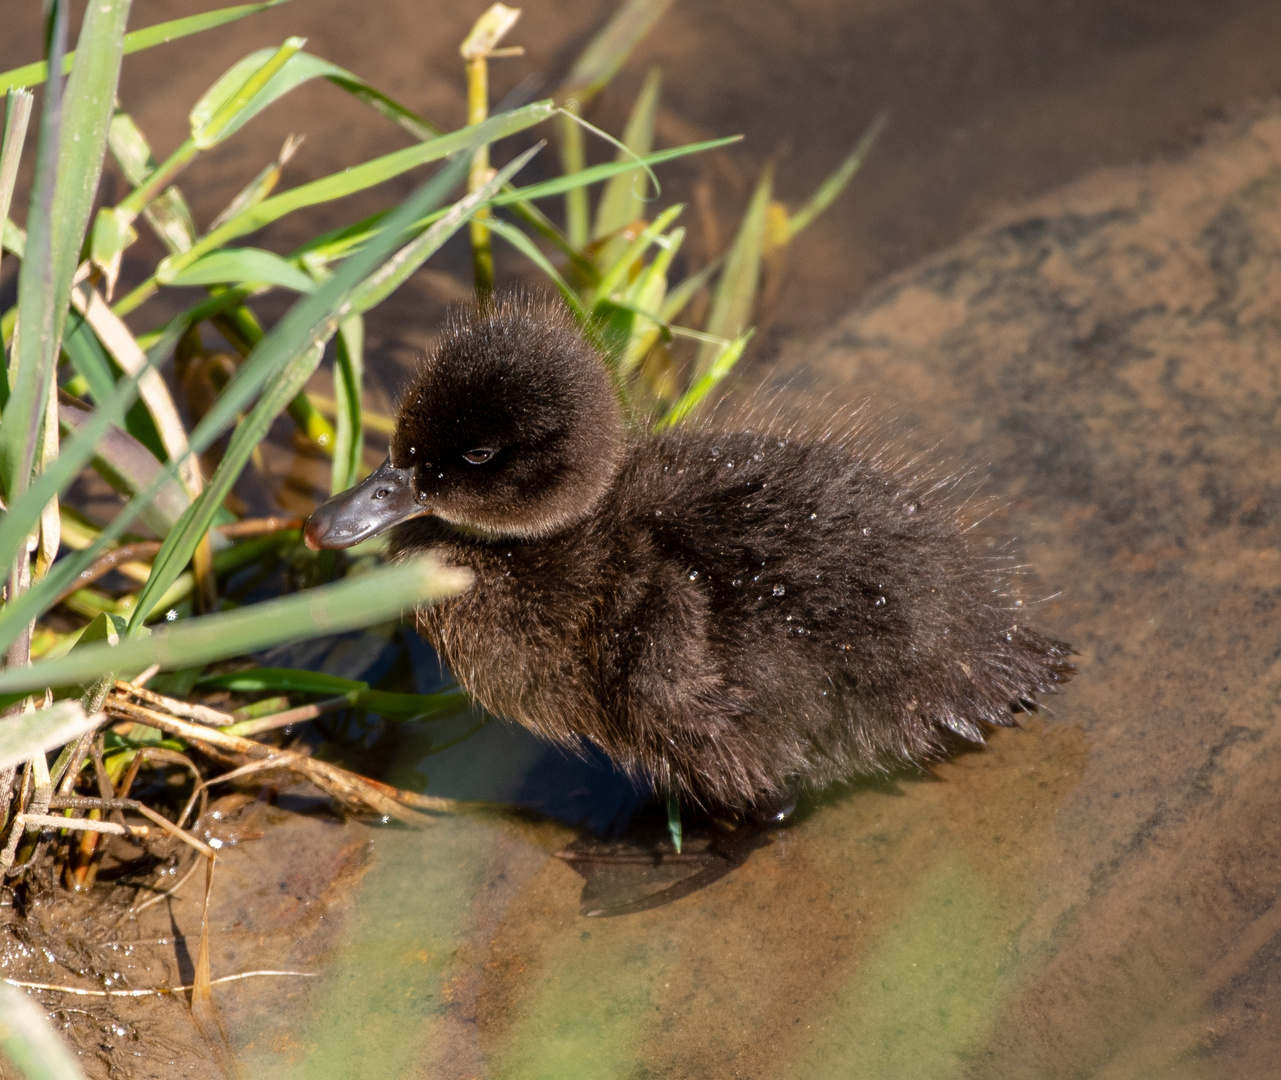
(745, 613)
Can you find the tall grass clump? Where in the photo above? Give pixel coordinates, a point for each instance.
(82, 390)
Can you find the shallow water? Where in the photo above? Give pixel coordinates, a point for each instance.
(1096, 895)
(1093, 895)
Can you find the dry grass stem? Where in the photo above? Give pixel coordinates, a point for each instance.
(154, 991)
(347, 787)
(55, 821)
(202, 714)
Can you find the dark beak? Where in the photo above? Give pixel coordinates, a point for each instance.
(386, 498)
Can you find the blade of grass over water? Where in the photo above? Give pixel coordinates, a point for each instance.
(242, 93)
(736, 290)
(349, 381)
(560, 184)
(146, 38)
(388, 705)
(620, 204)
(522, 243)
(830, 188)
(234, 266)
(392, 274)
(595, 66)
(722, 363)
(296, 70)
(610, 48)
(349, 604)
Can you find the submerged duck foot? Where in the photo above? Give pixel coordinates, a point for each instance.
(641, 871)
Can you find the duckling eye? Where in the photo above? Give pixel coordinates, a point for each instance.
(478, 456)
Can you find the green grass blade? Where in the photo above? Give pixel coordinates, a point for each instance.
(146, 38)
(391, 706)
(35, 348)
(674, 820)
(573, 160)
(90, 100)
(29, 1041)
(74, 454)
(74, 134)
(736, 290)
(610, 48)
(560, 184)
(275, 680)
(235, 266)
(722, 363)
(529, 249)
(830, 188)
(619, 204)
(349, 181)
(392, 274)
(242, 92)
(14, 240)
(349, 430)
(299, 69)
(17, 114)
(88, 357)
(584, 269)
(349, 604)
(287, 355)
(613, 276)
(26, 734)
(406, 119)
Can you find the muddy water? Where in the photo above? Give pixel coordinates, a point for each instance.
(1095, 895)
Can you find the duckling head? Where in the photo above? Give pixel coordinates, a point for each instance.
(511, 428)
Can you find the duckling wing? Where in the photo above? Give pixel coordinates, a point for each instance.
(842, 595)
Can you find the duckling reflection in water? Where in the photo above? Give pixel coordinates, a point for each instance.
(738, 614)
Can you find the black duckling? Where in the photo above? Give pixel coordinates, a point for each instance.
(738, 615)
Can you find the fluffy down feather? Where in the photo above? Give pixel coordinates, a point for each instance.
(736, 609)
